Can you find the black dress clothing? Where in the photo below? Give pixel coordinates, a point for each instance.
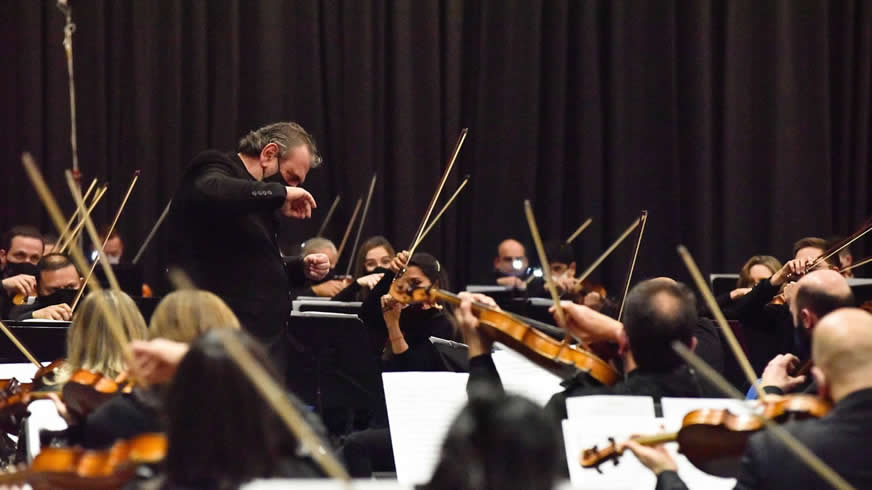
(839, 439)
(122, 417)
(768, 327)
(223, 228)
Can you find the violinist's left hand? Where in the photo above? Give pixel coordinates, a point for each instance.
(391, 309)
(656, 458)
(316, 266)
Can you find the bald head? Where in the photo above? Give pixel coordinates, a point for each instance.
(511, 257)
(842, 351)
(817, 294)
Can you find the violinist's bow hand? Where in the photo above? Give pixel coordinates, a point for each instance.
(155, 361)
(792, 270)
(589, 325)
(316, 266)
(400, 261)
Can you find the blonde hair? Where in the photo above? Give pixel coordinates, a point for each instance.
(183, 315)
(90, 342)
(767, 261)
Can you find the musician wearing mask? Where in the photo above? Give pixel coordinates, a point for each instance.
(561, 258)
(372, 261)
(58, 282)
(656, 313)
(223, 226)
(114, 247)
(20, 250)
(510, 264)
(842, 352)
(815, 295)
(768, 324)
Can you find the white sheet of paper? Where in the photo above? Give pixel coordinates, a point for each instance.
(23, 372)
(609, 406)
(421, 407)
(523, 377)
(584, 433)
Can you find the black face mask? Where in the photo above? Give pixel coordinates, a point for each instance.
(378, 270)
(277, 177)
(15, 268)
(60, 296)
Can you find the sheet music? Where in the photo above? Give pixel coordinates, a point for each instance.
(609, 406)
(584, 433)
(523, 377)
(22, 371)
(421, 407)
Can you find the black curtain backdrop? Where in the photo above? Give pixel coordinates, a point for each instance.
(741, 126)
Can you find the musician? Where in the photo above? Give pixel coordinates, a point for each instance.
(499, 441)
(50, 241)
(20, 250)
(329, 285)
(769, 327)
(561, 258)
(372, 261)
(90, 342)
(656, 313)
(510, 264)
(842, 352)
(401, 338)
(181, 317)
(756, 269)
(58, 281)
(114, 248)
(816, 294)
(221, 431)
(223, 227)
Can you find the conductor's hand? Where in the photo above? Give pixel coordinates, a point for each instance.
(298, 203)
(316, 266)
(155, 361)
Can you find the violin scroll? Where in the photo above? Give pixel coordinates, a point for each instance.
(593, 457)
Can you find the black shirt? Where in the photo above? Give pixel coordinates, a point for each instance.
(768, 327)
(223, 233)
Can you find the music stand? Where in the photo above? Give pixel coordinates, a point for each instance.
(454, 354)
(332, 368)
(346, 307)
(129, 277)
(45, 339)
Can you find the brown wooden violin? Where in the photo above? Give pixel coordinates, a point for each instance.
(714, 440)
(86, 390)
(518, 333)
(60, 468)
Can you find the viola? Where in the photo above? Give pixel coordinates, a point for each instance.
(61, 468)
(520, 334)
(715, 440)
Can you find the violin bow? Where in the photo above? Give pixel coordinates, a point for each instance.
(113, 318)
(54, 212)
(63, 234)
(578, 231)
(441, 212)
(329, 215)
(435, 198)
(85, 212)
(152, 232)
(864, 229)
(721, 320)
(642, 220)
(348, 228)
(362, 222)
(609, 250)
(277, 398)
(858, 264)
(20, 346)
(108, 234)
(792, 443)
(546, 269)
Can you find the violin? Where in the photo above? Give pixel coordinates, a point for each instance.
(715, 440)
(86, 390)
(60, 468)
(520, 334)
